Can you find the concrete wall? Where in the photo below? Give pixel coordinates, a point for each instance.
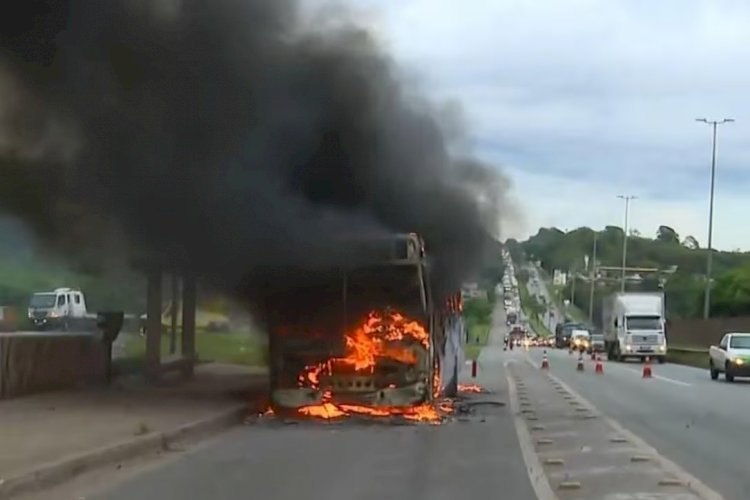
(702, 333)
(8, 319)
(32, 362)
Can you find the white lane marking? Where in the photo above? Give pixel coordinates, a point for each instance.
(671, 380)
(534, 468)
(690, 481)
(655, 375)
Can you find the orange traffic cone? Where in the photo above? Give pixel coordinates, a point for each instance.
(579, 366)
(599, 367)
(647, 368)
(545, 361)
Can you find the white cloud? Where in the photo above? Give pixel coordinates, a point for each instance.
(584, 99)
(571, 203)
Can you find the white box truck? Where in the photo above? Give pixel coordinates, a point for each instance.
(633, 325)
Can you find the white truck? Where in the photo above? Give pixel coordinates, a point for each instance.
(731, 357)
(633, 325)
(56, 309)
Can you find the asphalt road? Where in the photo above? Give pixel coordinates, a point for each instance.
(479, 458)
(700, 424)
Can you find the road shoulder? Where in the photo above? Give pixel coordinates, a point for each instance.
(49, 439)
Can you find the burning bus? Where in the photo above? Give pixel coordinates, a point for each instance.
(368, 337)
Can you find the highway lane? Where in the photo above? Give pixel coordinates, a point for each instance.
(479, 458)
(700, 424)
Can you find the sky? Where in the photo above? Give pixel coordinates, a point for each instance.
(584, 100)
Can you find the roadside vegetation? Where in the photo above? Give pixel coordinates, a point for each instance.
(690, 357)
(478, 319)
(114, 289)
(477, 311)
(242, 348)
(682, 263)
(25, 268)
(532, 308)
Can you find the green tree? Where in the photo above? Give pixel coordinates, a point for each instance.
(666, 234)
(731, 294)
(687, 262)
(515, 250)
(477, 310)
(684, 295)
(523, 276)
(691, 243)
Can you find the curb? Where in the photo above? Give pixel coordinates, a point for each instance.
(54, 473)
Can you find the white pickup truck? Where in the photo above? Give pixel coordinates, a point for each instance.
(57, 308)
(731, 357)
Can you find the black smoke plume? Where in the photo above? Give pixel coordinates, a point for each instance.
(229, 135)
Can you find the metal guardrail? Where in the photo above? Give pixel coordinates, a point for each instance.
(695, 350)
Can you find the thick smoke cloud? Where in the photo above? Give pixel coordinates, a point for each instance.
(230, 135)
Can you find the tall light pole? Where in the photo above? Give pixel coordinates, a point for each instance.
(573, 287)
(592, 280)
(627, 199)
(709, 259)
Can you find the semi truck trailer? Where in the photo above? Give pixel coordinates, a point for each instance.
(633, 325)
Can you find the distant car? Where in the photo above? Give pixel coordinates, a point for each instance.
(597, 343)
(580, 340)
(563, 333)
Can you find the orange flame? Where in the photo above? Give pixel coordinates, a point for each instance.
(382, 335)
(469, 388)
(378, 337)
(422, 413)
(436, 381)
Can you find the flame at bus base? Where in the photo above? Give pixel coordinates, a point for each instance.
(470, 388)
(329, 410)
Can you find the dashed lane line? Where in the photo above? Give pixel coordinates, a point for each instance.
(655, 375)
(686, 479)
(537, 475)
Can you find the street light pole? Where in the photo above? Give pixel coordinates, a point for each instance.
(627, 199)
(709, 259)
(592, 279)
(573, 288)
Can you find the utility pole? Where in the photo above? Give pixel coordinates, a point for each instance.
(592, 280)
(173, 313)
(709, 259)
(627, 199)
(573, 288)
